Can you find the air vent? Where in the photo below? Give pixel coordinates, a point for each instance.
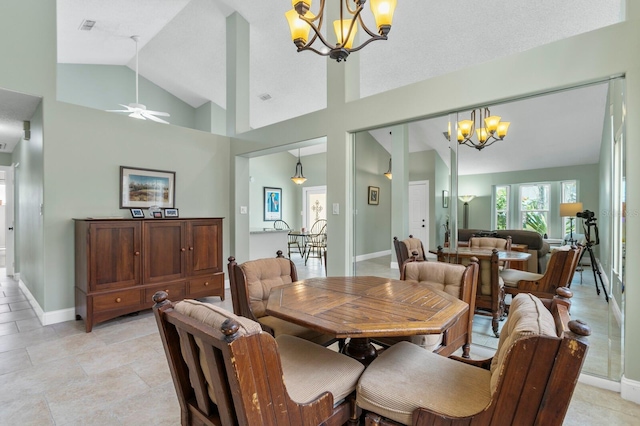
(3, 146)
(87, 25)
(265, 96)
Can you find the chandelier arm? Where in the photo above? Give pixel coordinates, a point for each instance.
(356, 11)
(300, 49)
(374, 38)
(318, 35)
(367, 30)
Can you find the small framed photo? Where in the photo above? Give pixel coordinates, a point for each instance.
(374, 195)
(137, 213)
(170, 212)
(445, 199)
(157, 215)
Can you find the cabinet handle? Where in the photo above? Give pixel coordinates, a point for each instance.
(206, 283)
(167, 291)
(183, 249)
(137, 253)
(118, 300)
(190, 248)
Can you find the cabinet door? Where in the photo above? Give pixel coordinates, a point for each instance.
(114, 255)
(205, 246)
(164, 250)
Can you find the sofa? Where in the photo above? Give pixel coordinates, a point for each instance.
(537, 246)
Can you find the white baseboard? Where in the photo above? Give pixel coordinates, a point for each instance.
(630, 390)
(599, 382)
(47, 318)
(16, 276)
(372, 255)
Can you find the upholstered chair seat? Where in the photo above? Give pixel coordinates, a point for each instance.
(519, 385)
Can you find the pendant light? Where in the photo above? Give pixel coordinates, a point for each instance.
(388, 173)
(298, 178)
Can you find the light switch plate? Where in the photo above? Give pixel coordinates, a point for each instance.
(243, 209)
(336, 208)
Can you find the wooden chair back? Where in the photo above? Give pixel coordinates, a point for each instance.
(231, 373)
(281, 224)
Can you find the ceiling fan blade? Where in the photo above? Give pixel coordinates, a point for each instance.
(152, 118)
(160, 113)
(118, 110)
(137, 115)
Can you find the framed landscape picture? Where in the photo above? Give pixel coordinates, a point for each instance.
(272, 203)
(141, 188)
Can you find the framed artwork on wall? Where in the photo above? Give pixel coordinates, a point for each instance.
(374, 195)
(445, 199)
(141, 188)
(272, 204)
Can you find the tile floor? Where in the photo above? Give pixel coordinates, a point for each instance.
(117, 374)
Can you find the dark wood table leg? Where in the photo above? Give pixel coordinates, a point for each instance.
(360, 349)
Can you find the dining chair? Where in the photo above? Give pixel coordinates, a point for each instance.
(560, 270)
(529, 380)
(490, 295)
(410, 248)
(252, 281)
(457, 280)
(293, 240)
(227, 371)
(316, 240)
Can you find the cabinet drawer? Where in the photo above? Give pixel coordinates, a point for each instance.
(212, 285)
(117, 300)
(175, 291)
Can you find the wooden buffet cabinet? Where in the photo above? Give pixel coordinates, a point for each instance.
(121, 263)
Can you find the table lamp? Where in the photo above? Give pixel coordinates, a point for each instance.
(570, 210)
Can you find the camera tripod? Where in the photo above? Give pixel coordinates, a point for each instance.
(594, 264)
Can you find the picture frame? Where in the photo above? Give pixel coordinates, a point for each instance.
(171, 213)
(445, 199)
(157, 215)
(137, 213)
(143, 188)
(272, 204)
(374, 195)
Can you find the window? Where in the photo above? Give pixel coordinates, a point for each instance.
(502, 207)
(569, 195)
(534, 207)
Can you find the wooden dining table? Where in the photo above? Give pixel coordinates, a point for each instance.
(481, 253)
(363, 307)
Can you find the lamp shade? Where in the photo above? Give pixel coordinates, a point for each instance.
(570, 209)
(466, 198)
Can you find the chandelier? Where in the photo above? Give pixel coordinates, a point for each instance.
(298, 178)
(301, 21)
(494, 130)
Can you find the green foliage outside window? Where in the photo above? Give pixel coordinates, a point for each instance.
(501, 207)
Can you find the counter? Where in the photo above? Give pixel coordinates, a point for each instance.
(265, 242)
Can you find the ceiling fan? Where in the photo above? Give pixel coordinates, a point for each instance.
(138, 110)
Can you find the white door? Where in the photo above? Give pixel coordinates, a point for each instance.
(419, 211)
(314, 205)
(9, 223)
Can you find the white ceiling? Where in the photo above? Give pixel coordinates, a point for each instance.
(182, 49)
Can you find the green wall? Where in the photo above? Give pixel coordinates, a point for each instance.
(105, 87)
(5, 159)
(372, 222)
(482, 185)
